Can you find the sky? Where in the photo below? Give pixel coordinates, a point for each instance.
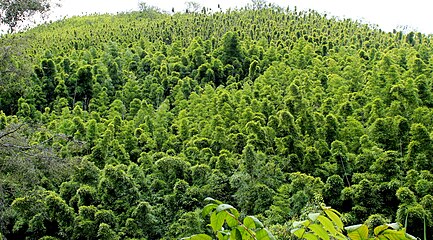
(388, 15)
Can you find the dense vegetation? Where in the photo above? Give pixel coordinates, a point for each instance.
(117, 127)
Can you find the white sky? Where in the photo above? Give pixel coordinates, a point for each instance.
(389, 15)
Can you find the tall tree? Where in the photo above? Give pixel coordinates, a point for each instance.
(15, 73)
(12, 12)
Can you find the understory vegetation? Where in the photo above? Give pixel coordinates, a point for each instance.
(119, 126)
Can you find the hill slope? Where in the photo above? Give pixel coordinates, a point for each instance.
(119, 126)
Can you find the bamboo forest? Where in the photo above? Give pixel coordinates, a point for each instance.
(249, 123)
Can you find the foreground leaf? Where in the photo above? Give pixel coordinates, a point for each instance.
(357, 232)
(334, 217)
(298, 232)
(208, 208)
(327, 224)
(380, 229)
(235, 234)
(310, 236)
(223, 207)
(313, 216)
(209, 199)
(252, 222)
(217, 220)
(300, 223)
(232, 222)
(394, 226)
(198, 237)
(264, 234)
(319, 231)
(394, 235)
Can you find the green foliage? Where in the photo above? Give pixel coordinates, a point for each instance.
(226, 223)
(327, 225)
(117, 126)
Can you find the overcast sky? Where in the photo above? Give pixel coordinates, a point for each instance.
(417, 14)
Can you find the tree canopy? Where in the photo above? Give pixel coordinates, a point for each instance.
(13, 12)
(121, 125)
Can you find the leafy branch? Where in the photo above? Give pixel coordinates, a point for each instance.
(220, 214)
(327, 225)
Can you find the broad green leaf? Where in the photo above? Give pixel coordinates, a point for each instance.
(198, 237)
(340, 236)
(379, 229)
(264, 234)
(235, 212)
(252, 222)
(393, 234)
(217, 220)
(232, 222)
(214, 222)
(223, 207)
(235, 234)
(357, 232)
(249, 222)
(208, 208)
(327, 225)
(257, 222)
(298, 232)
(334, 217)
(300, 223)
(310, 236)
(221, 236)
(246, 235)
(319, 231)
(221, 216)
(313, 216)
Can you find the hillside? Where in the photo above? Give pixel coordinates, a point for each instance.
(118, 126)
